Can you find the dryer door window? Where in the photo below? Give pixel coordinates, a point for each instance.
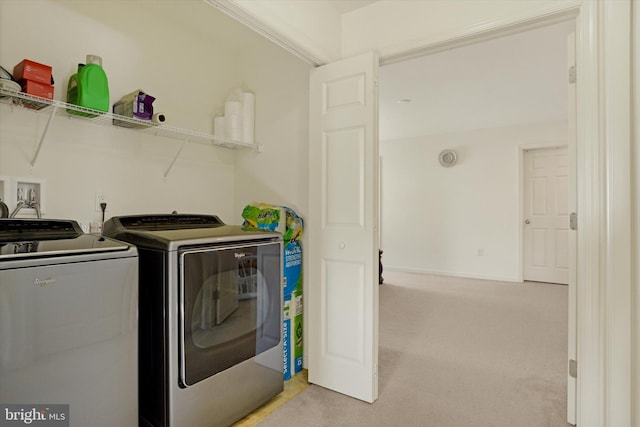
(230, 304)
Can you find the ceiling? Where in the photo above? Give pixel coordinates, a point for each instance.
(344, 6)
(514, 80)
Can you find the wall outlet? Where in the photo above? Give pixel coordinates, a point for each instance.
(100, 198)
(480, 252)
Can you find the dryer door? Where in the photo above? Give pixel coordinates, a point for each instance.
(230, 300)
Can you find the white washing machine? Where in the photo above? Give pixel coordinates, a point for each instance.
(68, 325)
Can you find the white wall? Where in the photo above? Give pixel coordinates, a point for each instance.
(171, 51)
(435, 219)
(278, 175)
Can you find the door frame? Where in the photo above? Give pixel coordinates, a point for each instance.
(604, 193)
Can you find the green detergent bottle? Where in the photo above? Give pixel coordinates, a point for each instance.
(89, 87)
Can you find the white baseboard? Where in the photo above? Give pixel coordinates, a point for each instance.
(513, 279)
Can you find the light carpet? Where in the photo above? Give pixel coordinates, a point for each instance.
(456, 352)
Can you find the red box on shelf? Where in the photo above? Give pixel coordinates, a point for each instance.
(31, 70)
(37, 89)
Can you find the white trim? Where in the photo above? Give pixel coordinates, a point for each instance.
(573, 235)
(255, 23)
(604, 323)
(591, 214)
(617, 139)
(554, 12)
(635, 395)
(509, 279)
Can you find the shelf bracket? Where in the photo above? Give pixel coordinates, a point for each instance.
(44, 134)
(166, 173)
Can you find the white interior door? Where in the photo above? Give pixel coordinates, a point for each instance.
(342, 227)
(546, 208)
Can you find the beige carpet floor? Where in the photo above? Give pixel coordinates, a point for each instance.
(456, 353)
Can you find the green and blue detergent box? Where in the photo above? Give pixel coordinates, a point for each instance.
(264, 216)
(292, 334)
(286, 340)
(292, 271)
(297, 332)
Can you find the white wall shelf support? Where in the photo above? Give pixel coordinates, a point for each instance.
(44, 134)
(166, 173)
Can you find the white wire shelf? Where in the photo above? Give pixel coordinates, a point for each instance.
(101, 118)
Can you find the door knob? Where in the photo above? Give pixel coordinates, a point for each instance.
(526, 221)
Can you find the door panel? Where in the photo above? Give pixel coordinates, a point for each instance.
(345, 298)
(344, 92)
(342, 228)
(344, 196)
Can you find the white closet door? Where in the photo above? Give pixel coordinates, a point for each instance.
(342, 227)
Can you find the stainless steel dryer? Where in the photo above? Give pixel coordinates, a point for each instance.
(68, 324)
(210, 317)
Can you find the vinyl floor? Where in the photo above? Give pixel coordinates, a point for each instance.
(292, 388)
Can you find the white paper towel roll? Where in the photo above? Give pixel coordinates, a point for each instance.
(248, 116)
(233, 120)
(218, 126)
(159, 118)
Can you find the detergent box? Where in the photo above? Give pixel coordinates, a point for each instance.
(297, 332)
(292, 269)
(263, 216)
(286, 340)
(292, 335)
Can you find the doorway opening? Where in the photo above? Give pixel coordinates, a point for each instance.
(480, 102)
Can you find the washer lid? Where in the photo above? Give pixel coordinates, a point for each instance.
(159, 222)
(31, 238)
(169, 231)
(13, 229)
